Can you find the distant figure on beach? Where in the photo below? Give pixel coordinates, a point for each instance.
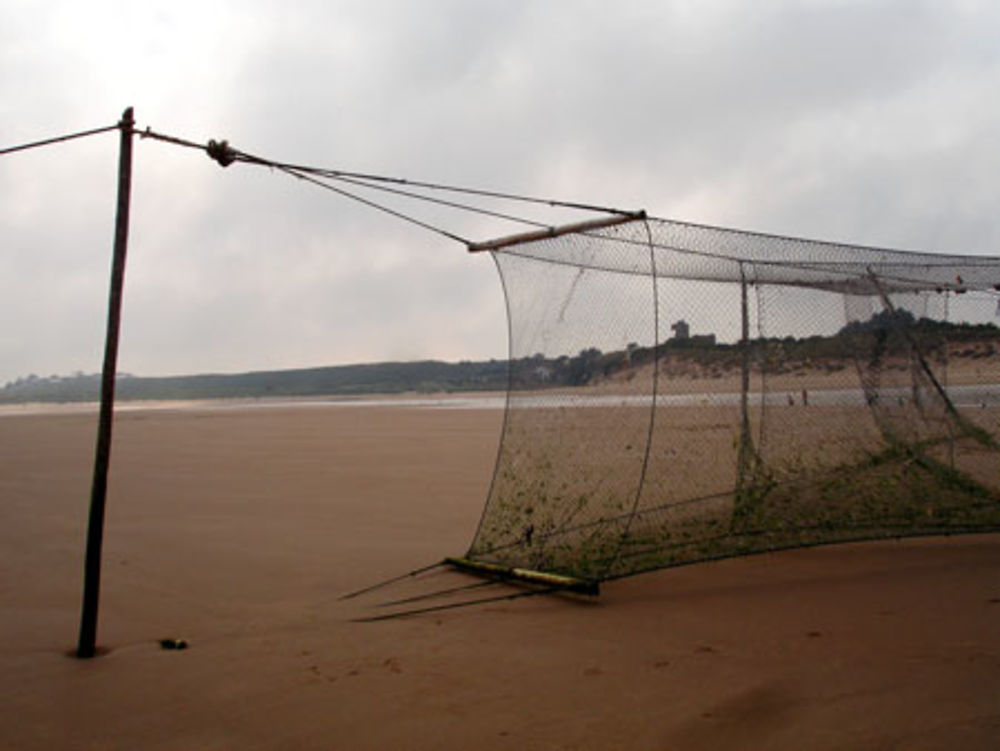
(805, 398)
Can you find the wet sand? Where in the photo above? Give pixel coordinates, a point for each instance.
(237, 530)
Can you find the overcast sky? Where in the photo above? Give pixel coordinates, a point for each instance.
(868, 122)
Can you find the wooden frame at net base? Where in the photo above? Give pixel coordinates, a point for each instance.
(527, 576)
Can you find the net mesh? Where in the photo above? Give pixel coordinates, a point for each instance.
(682, 393)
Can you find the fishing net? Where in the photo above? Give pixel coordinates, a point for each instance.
(680, 393)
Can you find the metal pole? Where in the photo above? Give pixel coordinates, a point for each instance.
(87, 646)
(745, 440)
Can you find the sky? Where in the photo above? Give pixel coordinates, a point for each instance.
(864, 122)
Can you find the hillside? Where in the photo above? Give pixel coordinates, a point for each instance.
(693, 358)
(344, 380)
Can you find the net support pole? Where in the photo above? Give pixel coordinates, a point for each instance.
(968, 428)
(87, 645)
(944, 380)
(745, 441)
(544, 578)
(591, 225)
(744, 501)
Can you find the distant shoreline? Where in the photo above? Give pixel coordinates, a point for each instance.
(471, 400)
(821, 393)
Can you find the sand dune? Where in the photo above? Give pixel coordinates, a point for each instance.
(238, 529)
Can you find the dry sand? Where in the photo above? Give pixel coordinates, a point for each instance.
(237, 529)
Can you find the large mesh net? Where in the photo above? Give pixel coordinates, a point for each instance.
(682, 393)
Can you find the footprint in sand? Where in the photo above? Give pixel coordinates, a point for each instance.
(393, 665)
(314, 669)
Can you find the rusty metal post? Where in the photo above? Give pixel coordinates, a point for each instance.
(87, 646)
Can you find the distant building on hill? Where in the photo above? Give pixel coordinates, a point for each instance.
(682, 336)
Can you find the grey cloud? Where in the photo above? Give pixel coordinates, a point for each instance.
(869, 122)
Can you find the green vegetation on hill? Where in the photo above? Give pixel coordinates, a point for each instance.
(885, 338)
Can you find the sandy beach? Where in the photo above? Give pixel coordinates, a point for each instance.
(238, 528)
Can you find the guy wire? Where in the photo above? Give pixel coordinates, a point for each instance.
(58, 139)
